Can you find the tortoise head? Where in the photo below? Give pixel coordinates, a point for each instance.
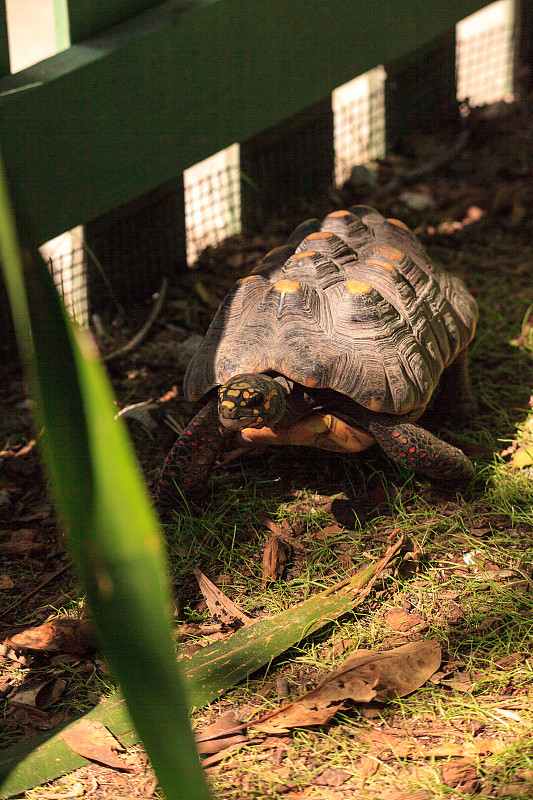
(250, 401)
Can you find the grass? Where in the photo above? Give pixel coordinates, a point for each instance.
(467, 541)
(471, 582)
(487, 621)
(479, 617)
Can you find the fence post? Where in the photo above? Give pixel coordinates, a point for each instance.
(289, 162)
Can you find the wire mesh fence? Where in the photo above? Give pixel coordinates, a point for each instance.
(359, 122)
(212, 201)
(484, 55)
(65, 257)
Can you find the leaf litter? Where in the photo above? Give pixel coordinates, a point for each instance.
(450, 598)
(222, 609)
(363, 677)
(93, 741)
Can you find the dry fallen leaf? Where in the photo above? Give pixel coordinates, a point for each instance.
(512, 790)
(20, 542)
(41, 694)
(209, 761)
(400, 620)
(328, 530)
(364, 676)
(63, 634)
(368, 766)
(461, 774)
(6, 582)
(509, 661)
(14, 655)
(92, 740)
(480, 531)
(462, 681)
(332, 777)
(226, 722)
(221, 608)
(379, 740)
(464, 749)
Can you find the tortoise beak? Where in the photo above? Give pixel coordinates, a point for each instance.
(229, 419)
(232, 424)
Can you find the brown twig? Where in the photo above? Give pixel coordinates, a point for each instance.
(141, 335)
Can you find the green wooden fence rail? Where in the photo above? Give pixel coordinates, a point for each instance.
(127, 108)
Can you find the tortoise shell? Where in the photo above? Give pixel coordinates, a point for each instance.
(353, 304)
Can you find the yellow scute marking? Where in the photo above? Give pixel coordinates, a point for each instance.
(321, 235)
(341, 213)
(287, 286)
(398, 223)
(357, 287)
(389, 252)
(306, 254)
(248, 278)
(379, 262)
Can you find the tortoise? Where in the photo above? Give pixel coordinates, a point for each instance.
(336, 340)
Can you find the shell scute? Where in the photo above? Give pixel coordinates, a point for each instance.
(351, 303)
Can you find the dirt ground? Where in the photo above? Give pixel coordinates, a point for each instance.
(474, 214)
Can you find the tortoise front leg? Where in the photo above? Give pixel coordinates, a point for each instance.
(408, 443)
(191, 459)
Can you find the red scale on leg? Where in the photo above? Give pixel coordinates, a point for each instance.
(400, 441)
(192, 458)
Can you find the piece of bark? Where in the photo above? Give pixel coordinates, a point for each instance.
(274, 559)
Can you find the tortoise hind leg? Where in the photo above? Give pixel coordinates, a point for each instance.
(191, 459)
(408, 443)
